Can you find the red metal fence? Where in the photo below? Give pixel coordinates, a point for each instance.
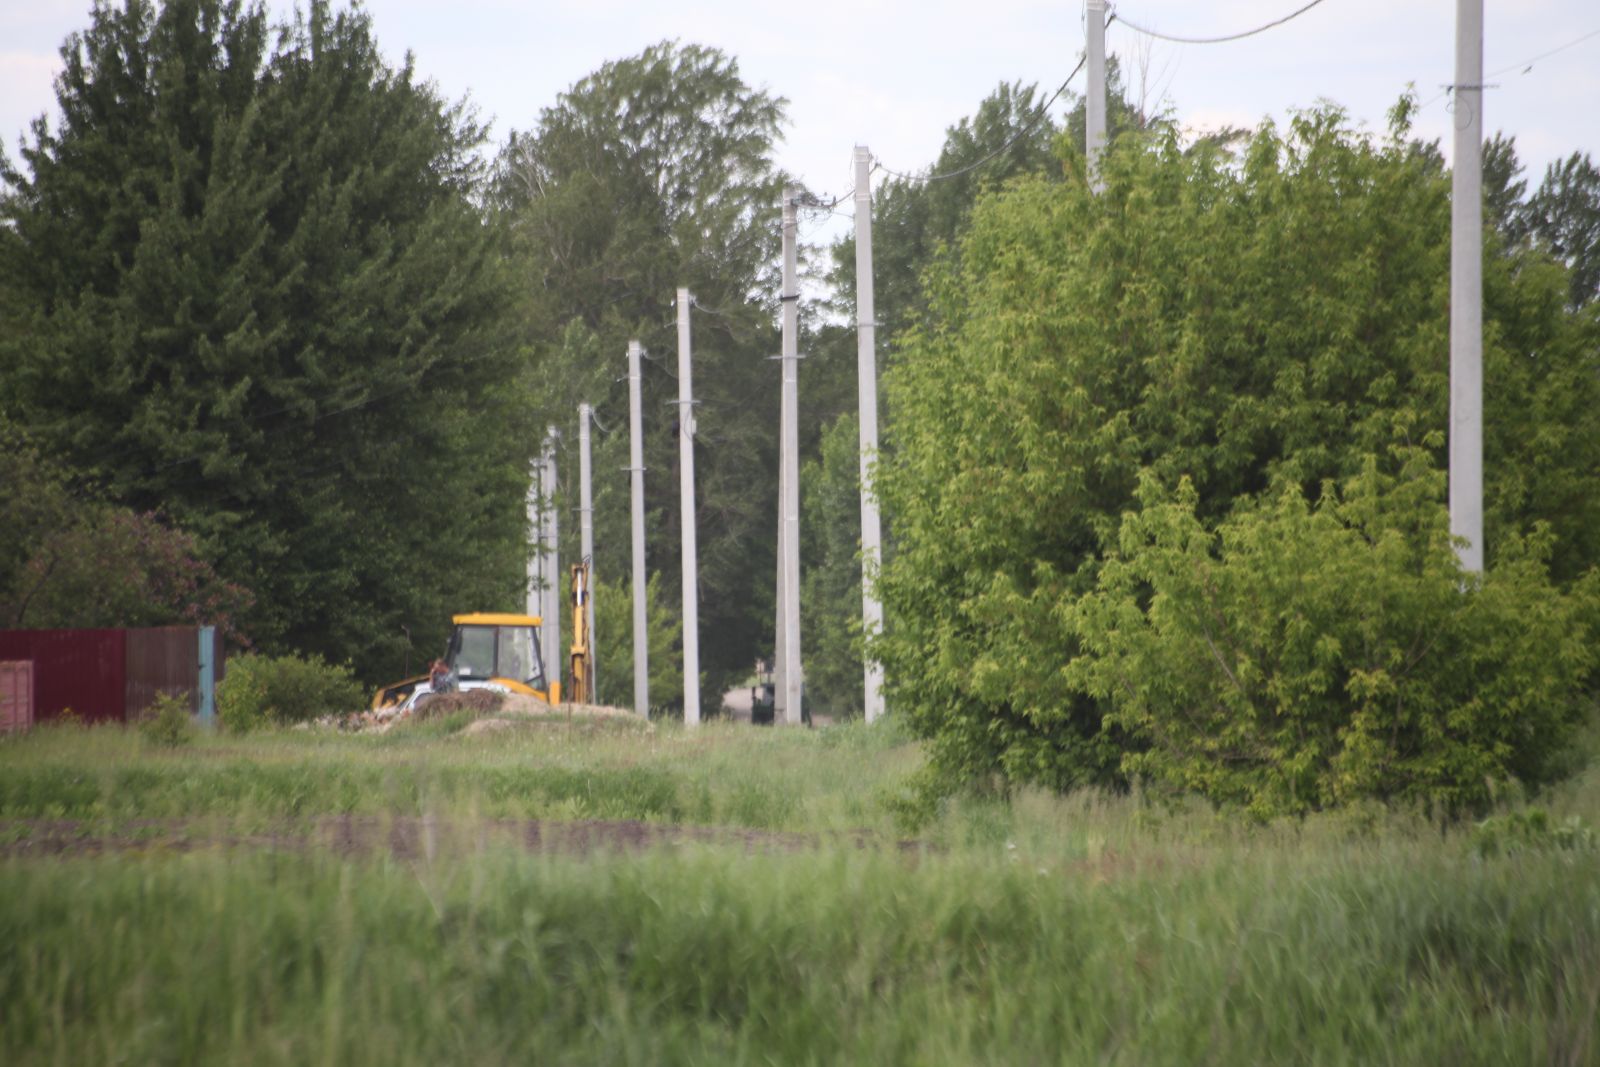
(107, 675)
(81, 671)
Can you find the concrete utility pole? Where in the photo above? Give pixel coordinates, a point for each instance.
(780, 698)
(534, 601)
(641, 651)
(552, 652)
(691, 566)
(1466, 289)
(1094, 17)
(867, 389)
(789, 443)
(586, 535)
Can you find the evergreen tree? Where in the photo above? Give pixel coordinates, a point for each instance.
(246, 284)
(1565, 216)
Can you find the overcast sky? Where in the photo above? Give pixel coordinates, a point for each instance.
(893, 74)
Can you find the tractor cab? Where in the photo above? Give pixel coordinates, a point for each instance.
(487, 650)
(497, 648)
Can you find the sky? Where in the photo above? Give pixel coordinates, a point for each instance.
(894, 74)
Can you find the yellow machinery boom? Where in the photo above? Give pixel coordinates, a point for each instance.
(582, 669)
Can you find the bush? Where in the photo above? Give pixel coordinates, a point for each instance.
(1309, 656)
(167, 722)
(1520, 831)
(263, 691)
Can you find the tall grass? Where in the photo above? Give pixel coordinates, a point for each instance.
(1046, 929)
(722, 775)
(702, 956)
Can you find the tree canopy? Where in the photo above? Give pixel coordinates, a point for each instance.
(655, 172)
(245, 282)
(1241, 321)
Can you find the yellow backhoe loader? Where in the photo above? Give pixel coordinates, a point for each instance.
(500, 652)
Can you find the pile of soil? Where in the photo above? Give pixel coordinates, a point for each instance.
(477, 701)
(492, 712)
(517, 711)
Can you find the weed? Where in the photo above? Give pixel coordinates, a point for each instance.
(166, 723)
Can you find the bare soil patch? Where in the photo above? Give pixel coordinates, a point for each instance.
(411, 837)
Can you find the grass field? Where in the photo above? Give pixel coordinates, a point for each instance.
(743, 895)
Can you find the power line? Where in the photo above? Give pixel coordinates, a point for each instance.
(812, 200)
(1044, 109)
(1212, 40)
(1527, 64)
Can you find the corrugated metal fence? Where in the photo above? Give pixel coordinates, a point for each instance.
(16, 695)
(113, 675)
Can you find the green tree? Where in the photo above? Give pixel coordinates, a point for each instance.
(1241, 321)
(246, 283)
(1303, 655)
(1565, 215)
(655, 172)
(613, 624)
(918, 217)
(831, 583)
(67, 560)
(1504, 192)
(915, 221)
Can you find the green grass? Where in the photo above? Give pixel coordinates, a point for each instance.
(1080, 929)
(721, 775)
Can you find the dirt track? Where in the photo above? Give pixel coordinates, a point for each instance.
(407, 837)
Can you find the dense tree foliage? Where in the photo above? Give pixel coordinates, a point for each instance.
(830, 598)
(652, 173)
(1561, 216)
(1302, 656)
(244, 282)
(613, 622)
(1273, 317)
(915, 222)
(68, 560)
(1564, 214)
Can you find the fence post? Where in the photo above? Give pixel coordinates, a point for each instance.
(208, 676)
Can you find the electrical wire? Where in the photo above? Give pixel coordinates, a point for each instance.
(812, 201)
(1044, 109)
(1527, 64)
(1174, 38)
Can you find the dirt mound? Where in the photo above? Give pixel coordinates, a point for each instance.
(517, 705)
(516, 711)
(492, 712)
(477, 701)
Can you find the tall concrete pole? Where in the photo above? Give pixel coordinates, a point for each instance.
(867, 389)
(1094, 113)
(534, 600)
(641, 651)
(691, 565)
(780, 656)
(551, 611)
(1466, 289)
(790, 460)
(586, 534)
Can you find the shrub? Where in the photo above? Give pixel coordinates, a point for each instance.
(1519, 831)
(1309, 656)
(167, 722)
(264, 690)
